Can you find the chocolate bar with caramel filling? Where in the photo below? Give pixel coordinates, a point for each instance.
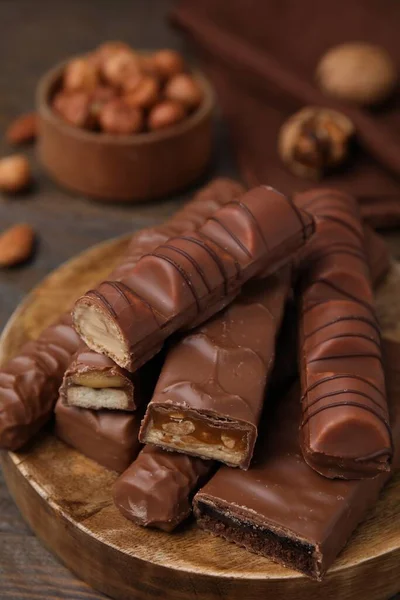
(94, 381)
(210, 393)
(282, 509)
(345, 427)
(191, 277)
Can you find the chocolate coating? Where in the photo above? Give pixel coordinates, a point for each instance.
(30, 381)
(378, 255)
(345, 427)
(281, 508)
(215, 378)
(108, 437)
(156, 490)
(190, 278)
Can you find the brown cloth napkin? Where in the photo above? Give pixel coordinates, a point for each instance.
(261, 56)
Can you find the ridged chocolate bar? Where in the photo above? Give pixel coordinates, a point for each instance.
(156, 490)
(110, 438)
(191, 277)
(30, 381)
(345, 429)
(210, 393)
(378, 255)
(281, 508)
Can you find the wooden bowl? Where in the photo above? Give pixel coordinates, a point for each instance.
(125, 168)
(66, 498)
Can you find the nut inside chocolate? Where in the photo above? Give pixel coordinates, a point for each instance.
(199, 435)
(100, 332)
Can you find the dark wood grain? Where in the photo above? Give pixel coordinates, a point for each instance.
(36, 35)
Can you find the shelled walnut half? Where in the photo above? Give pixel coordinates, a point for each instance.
(315, 140)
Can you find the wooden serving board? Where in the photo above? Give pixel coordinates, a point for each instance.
(66, 499)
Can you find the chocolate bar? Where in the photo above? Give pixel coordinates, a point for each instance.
(94, 381)
(30, 381)
(156, 490)
(191, 277)
(110, 438)
(345, 428)
(282, 509)
(210, 393)
(378, 255)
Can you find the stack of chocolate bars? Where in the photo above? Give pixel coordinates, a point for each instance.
(180, 372)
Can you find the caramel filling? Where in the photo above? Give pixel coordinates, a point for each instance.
(207, 437)
(97, 380)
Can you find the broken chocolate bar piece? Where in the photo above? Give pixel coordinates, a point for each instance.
(29, 382)
(107, 437)
(156, 490)
(210, 393)
(191, 277)
(282, 509)
(94, 381)
(345, 428)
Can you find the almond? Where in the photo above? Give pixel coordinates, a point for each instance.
(22, 130)
(16, 244)
(15, 173)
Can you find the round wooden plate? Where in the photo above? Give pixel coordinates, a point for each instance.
(66, 499)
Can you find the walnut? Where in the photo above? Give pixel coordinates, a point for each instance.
(357, 72)
(314, 140)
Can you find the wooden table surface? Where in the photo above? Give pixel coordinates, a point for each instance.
(36, 35)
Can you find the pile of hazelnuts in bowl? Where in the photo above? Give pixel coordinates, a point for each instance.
(117, 90)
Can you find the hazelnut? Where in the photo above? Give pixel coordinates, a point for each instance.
(74, 108)
(145, 94)
(357, 72)
(99, 97)
(165, 114)
(314, 140)
(23, 129)
(176, 416)
(228, 441)
(182, 428)
(16, 245)
(120, 67)
(118, 117)
(184, 88)
(15, 173)
(147, 65)
(106, 50)
(168, 63)
(133, 81)
(80, 75)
